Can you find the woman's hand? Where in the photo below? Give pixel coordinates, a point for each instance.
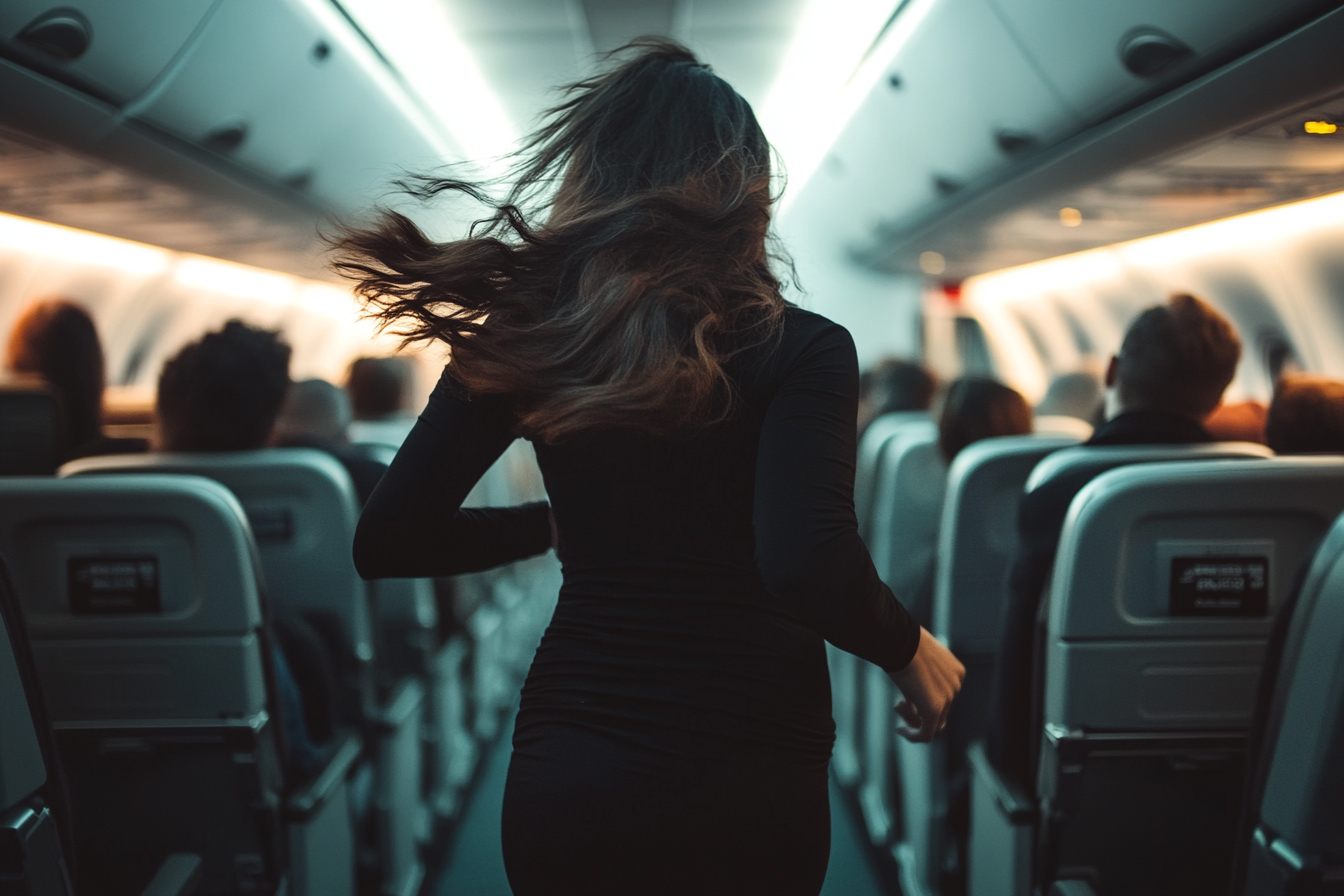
(929, 684)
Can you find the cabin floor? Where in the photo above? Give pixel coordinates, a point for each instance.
(474, 863)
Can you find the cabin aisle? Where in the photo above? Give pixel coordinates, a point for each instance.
(475, 863)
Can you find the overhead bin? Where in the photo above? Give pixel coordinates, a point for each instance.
(287, 89)
(958, 99)
(112, 48)
(1099, 55)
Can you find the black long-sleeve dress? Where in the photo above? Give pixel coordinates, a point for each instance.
(675, 727)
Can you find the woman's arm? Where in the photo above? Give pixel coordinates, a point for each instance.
(414, 524)
(807, 537)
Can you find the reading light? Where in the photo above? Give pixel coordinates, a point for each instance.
(1070, 217)
(932, 263)
(1320, 127)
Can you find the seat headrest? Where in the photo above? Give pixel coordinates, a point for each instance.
(129, 556)
(30, 430)
(1176, 550)
(1092, 460)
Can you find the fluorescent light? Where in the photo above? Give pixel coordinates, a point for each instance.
(825, 78)
(1242, 233)
(238, 280)
(419, 39)
(80, 247)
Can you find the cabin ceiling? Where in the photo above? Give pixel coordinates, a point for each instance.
(524, 48)
(1253, 169)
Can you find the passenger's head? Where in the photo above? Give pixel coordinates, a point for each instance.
(223, 392)
(379, 387)
(975, 408)
(1177, 357)
(897, 385)
(1076, 394)
(313, 411)
(625, 269)
(1306, 416)
(1243, 421)
(57, 341)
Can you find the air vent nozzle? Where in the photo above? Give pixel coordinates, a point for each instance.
(1012, 142)
(62, 34)
(1148, 52)
(228, 138)
(944, 185)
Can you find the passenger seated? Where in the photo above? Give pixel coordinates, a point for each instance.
(1306, 416)
(223, 393)
(1243, 421)
(1174, 364)
(316, 414)
(893, 385)
(380, 395)
(56, 341)
(975, 408)
(1076, 394)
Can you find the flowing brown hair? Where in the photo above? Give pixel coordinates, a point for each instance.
(650, 272)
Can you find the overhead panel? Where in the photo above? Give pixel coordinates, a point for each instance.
(113, 48)
(959, 100)
(285, 89)
(1100, 54)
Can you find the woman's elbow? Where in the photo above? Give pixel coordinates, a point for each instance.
(369, 549)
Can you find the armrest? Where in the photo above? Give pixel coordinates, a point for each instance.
(304, 803)
(1072, 887)
(1013, 801)
(405, 699)
(177, 876)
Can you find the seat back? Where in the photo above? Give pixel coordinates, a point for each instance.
(31, 441)
(870, 451)
(978, 536)
(302, 510)
(140, 595)
(1164, 585)
(1089, 461)
(1299, 830)
(907, 502)
(141, 598)
(26, 754)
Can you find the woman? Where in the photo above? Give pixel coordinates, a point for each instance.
(696, 434)
(57, 341)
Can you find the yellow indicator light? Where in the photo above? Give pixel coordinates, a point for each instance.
(1070, 217)
(1320, 127)
(932, 263)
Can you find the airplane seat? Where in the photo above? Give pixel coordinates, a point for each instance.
(902, 532)
(31, 441)
(1294, 839)
(147, 626)
(846, 669)
(35, 852)
(1158, 611)
(975, 534)
(302, 511)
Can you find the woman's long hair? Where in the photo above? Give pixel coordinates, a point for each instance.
(649, 271)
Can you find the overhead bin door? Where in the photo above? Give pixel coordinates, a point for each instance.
(958, 100)
(1081, 45)
(115, 48)
(286, 89)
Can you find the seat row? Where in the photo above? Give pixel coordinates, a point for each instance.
(155, 588)
(1171, 566)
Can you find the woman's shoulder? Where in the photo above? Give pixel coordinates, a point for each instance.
(805, 332)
